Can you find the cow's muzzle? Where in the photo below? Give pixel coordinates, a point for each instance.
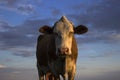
(63, 51)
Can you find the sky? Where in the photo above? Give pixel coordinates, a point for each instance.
(99, 48)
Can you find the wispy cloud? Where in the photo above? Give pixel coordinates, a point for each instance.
(4, 26)
(23, 52)
(101, 19)
(31, 74)
(21, 39)
(17, 6)
(110, 75)
(2, 66)
(8, 2)
(55, 12)
(104, 55)
(25, 9)
(100, 16)
(18, 73)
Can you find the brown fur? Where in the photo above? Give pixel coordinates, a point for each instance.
(46, 56)
(45, 53)
(50, 64)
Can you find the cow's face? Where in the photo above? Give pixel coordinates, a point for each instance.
(63, 32)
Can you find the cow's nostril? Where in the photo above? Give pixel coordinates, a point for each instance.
(63, 50)
(66, 50)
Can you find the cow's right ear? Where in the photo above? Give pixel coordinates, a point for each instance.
(81, 29)
(46, 29)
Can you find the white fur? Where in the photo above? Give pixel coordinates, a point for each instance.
(63, 30)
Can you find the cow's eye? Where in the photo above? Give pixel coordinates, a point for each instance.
(56, 34)
(71, 33)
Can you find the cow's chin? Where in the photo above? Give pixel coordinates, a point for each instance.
(63, 55)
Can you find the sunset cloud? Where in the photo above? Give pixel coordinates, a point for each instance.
(2, 66)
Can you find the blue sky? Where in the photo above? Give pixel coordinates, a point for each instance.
(99, 49)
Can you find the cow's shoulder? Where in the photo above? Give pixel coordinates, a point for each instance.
(44, 38)
(40, 37)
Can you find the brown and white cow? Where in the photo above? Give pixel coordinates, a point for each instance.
(57, 50)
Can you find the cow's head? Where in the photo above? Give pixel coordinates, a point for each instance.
(63, 31)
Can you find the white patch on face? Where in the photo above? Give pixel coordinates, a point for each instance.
(63, 35)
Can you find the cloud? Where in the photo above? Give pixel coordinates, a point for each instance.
(2, 66)
(102, 19)
(93, 36)
(31, 74)
(108, 54)
(17, 36)
(21, 39)
(18, 74)
(110, 75)
(23, 52)
(25, 9)
(17, 6)
(4, 26)
(8, 60)
(102, 15)
(55, 12)
(8, 2)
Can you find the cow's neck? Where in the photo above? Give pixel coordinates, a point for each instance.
(66, 65)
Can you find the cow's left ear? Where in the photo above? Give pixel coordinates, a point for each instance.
(80, 29)
(46, 29)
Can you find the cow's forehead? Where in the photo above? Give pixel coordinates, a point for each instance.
(63, 25)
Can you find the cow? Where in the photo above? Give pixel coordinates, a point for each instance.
(57, 50)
